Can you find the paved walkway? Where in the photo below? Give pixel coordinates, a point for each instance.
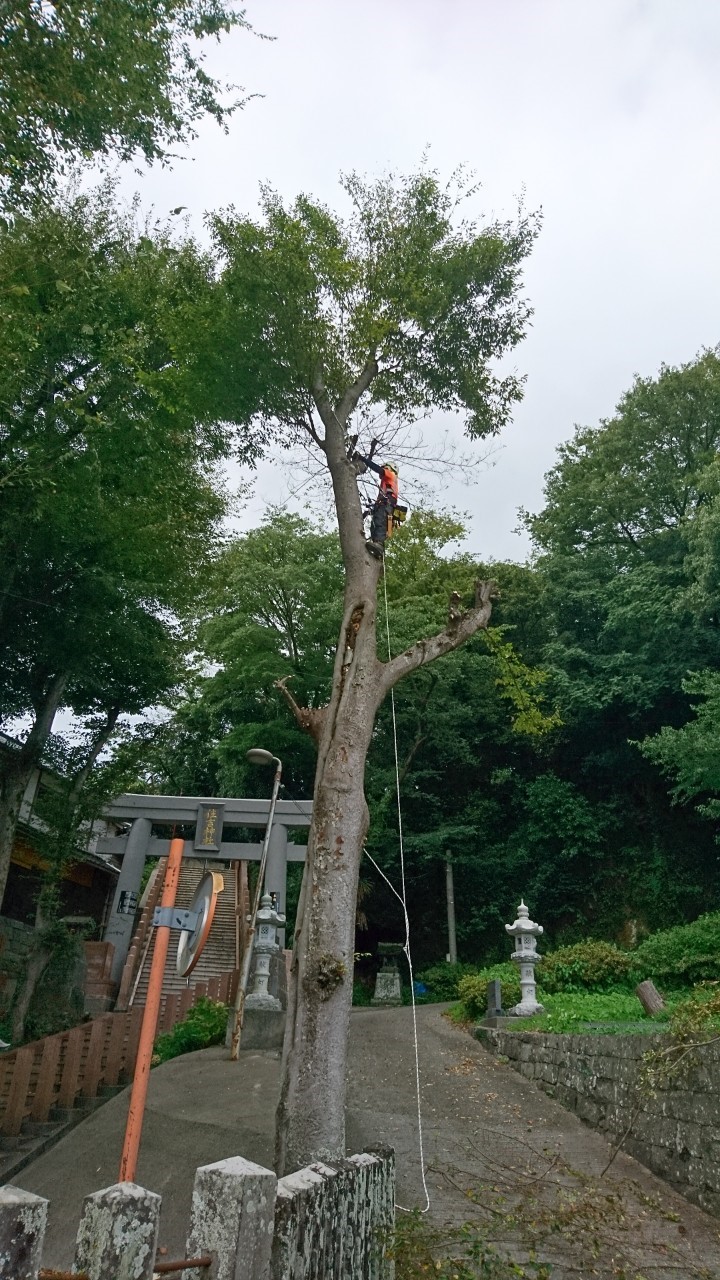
(498, 1153)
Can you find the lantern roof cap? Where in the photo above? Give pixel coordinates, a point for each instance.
(523, 923)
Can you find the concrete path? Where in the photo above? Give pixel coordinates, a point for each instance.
(498, 1154)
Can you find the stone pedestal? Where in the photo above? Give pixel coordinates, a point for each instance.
(388, 984)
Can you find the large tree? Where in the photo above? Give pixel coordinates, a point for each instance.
(88, 78)
(401, 308)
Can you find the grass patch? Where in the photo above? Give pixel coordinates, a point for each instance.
(569, 1012)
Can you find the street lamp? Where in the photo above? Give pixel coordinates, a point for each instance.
(256, 756)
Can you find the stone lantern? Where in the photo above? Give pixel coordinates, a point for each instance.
(388, 984)
(525, 932)
(266, 945)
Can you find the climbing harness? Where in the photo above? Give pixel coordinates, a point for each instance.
(402, 898)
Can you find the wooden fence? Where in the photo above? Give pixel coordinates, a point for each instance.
(326, 1222)
(44, 1080)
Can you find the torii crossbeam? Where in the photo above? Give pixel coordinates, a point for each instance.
(210, 816)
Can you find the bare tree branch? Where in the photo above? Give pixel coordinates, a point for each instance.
(456, 633)
(309, 718)
(354, 392)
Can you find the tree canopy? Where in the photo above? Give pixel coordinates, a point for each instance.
(87, 78)
(110, 497)
(400, 300)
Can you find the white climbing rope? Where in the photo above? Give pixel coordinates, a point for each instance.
(402, 899)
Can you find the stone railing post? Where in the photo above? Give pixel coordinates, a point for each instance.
(232, 1215)
(118, 1232)
(336, 1220)
(22, 1229)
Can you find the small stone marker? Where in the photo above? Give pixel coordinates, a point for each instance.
(388, 986)
(649, 997)
(494, 998)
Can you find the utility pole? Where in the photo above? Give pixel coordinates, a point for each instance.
(450, 891)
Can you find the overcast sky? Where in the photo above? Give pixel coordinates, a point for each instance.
(605, 112)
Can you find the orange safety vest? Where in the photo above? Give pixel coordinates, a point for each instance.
(389, 483)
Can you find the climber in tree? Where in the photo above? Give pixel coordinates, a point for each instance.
(383, 510)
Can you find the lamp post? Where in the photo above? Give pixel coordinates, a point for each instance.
(255, 756)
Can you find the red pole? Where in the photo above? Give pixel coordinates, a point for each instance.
(138, 1095)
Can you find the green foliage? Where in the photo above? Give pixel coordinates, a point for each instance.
(204, 1024)
(472, 989)
(57, 1001)
(442, 980)
(592, 965)
(690, 754)
(402, 287)
(102, 443)
(681, 956)
(522, 686)
(91, 78)
(697, 1017)
(420, 1248)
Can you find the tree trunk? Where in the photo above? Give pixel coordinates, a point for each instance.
(16, 770)
(649, 997)
(37, 963)
(311, 1109)
(311, 1112)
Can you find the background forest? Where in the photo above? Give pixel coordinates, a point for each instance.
(568, 756)
(605, 821)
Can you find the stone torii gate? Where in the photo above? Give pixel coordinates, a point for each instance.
(209, 817)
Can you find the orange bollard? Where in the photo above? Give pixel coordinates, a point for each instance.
(138, 1094)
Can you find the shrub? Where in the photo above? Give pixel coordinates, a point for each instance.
(472, 989)
(697, 1017)
(204, 1024)
(682, 956)
(586, 966)
(362, 993)
(442, 980)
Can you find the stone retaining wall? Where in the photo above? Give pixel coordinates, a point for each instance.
(676, 1134)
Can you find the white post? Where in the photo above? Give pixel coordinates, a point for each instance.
(450, 894)
(276, 870)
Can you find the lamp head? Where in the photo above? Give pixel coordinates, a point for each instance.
(256, 755)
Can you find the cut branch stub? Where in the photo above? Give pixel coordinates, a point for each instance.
(309, 718)
(461, 626)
